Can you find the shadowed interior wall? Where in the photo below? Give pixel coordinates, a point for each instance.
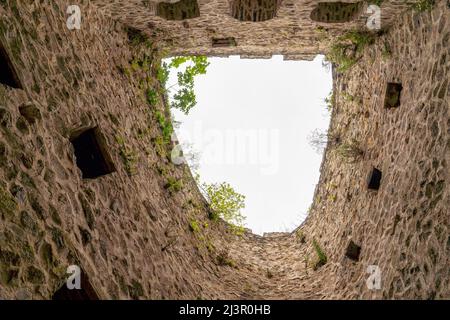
(181, 10)
(254, 10)
(336, 12)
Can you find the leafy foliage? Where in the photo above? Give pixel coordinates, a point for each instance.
(223, 259)
(349, 151)
(424, 5)
(137, 37)
(321, 256)
(162, 74)
(194, 226)
(152, 96)
(173, 185)
(330, 101)
(184, 99)
(165, 125)
(318, 140)
(7, 203)
(226, 203)
(347, 48)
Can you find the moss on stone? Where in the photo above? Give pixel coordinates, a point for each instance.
(135, 290)
(34, 275)
(27, 181)
(321, 256)
(22, 125)
(37, 207)
(16, 49)
(27, 221)
(11, 172)
(9, 258)
(2, 95)
(8, 205)
(5, 116)
(8, 275)
(27, 252)
(423, 5)
(3, 154)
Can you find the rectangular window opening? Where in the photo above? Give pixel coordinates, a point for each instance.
(393, 93)
(90, 153)
(8, 75)
(85, 292)
(223, 42)
(374, 179)
(353, 251)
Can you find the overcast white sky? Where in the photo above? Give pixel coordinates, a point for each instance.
(250, 126)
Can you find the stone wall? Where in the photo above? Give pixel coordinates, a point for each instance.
(116, 226)
(403, 228)
(291, 32)
(142, 231)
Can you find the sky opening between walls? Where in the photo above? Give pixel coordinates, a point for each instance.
(250, 128)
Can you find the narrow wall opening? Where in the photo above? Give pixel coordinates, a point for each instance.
(8, 75)
(374, 179)
(86, 291)
(90, 153)
(254, 10)
(223, 42)
(353, 251)
(336, 12)
(393, 94)
(181, 10)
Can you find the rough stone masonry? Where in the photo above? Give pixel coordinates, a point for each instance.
(378, 228)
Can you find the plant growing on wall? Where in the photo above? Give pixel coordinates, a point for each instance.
(318, 140)
(184, 98)
(349, 151)
(424, 5)
(330, 101)
(226, 203)
(321, 256)
(346, 50)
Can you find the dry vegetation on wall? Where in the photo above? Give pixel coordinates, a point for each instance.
(137, 224)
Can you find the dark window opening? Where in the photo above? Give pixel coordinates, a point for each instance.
(393, 92)
(336, 12)
(86, 291)
(353, 251)
(181, 10)
(90, 154)
(374, 179)
(254, 10)
(223, 42)
(8, 75)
